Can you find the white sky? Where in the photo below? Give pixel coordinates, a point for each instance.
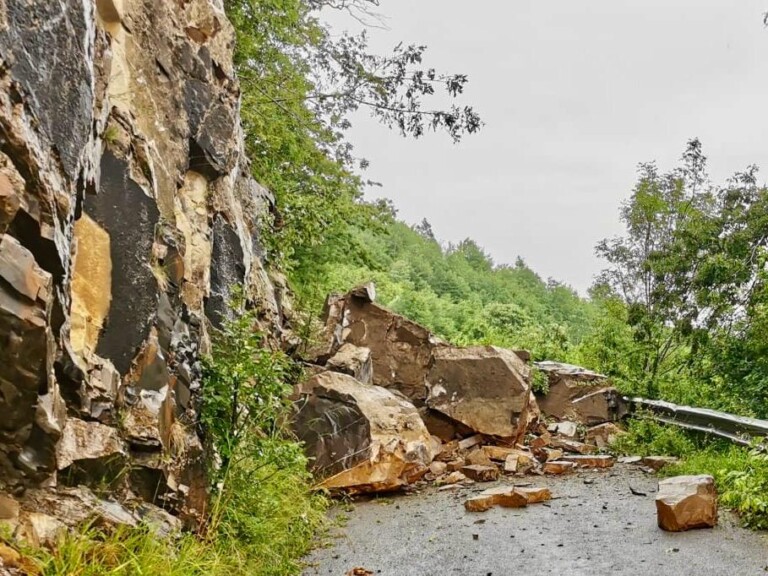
(574, 95)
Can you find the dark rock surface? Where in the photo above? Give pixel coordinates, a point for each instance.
(126, 204)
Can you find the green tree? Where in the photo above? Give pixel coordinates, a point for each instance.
(654, 266)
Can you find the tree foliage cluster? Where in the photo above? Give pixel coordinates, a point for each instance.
(456, 289)
(684, 298)
(301, 85)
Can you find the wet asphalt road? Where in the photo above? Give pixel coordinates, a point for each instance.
(594, 526)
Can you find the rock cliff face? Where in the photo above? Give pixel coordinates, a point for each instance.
(127, 216)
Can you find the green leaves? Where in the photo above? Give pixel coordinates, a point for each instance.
(244, 386)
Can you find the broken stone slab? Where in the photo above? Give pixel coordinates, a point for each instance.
(557, 467)
(90, 450)
(453, 478)
(573, 446)
(479, 457)
(504, 496)
(361, 438)
(656, 463)
(479, 503)
(483, 387)
(454, 465)
(498, 453)
(603, 435)
(471, 442)
(353, 360)
(481, 473)
(590, 461)
(579, 395)
(548, 454)
(507, 497)
(565, 428)
(686, 502)
(534, 494)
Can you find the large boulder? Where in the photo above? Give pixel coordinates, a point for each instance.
(686, 502)
(485, 388)
(361, 437)
(401, 350)
(579, 395)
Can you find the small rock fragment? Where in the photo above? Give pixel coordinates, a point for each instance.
(481, 473)
(565, 428)
(558, 467)
(478, 457)
(511, 463)
(658, 462)
(599, 461)
(603, 435)
(499, 453)
(478, 504)
(471, 442)
(438, 468)
(534, 494)
(541, 441)
(549, 454)
(452, 478)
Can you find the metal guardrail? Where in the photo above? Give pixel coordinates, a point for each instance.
(737, 429)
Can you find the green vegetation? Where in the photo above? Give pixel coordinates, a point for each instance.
(684, 297)
(741, 473)
(456, 291)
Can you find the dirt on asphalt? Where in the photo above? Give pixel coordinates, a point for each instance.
(594, 526)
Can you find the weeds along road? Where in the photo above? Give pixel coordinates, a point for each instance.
(594, 526)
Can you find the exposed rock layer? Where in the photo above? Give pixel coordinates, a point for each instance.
(127, 214)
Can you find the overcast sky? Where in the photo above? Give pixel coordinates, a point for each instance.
(574, 95)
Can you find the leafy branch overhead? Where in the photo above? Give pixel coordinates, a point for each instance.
(301, 86)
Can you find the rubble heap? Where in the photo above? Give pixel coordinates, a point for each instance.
(388, 404)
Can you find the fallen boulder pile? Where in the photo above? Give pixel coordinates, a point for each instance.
(387, 405)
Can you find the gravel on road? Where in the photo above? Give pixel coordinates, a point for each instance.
(594, 526)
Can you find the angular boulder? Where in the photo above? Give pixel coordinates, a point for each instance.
(360, 437)
(90, 452)
(353, 360)
(579, 395)
(485, 388)
(603, 435)
(401, 349)
(686, 502)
